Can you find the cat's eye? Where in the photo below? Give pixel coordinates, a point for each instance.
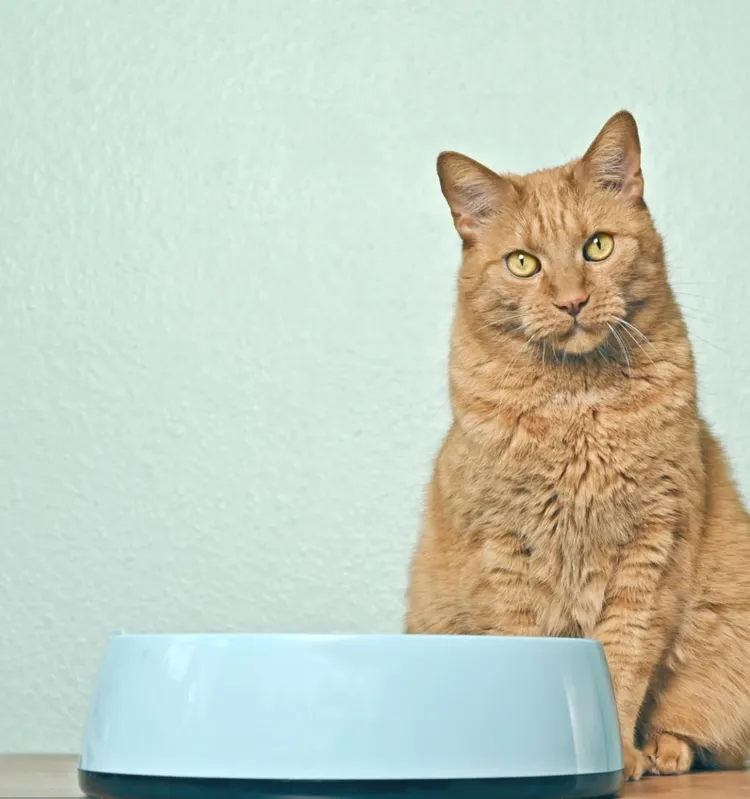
(598, 247)
(522, 264)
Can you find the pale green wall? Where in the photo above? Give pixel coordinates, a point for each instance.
(226, 280)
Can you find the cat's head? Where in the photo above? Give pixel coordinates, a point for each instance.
(564, 256)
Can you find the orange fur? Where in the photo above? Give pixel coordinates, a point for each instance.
(578, 493)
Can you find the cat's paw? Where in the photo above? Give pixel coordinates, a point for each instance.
(635, 762)
(668, 754)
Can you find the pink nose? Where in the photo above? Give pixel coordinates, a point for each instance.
(572, 305)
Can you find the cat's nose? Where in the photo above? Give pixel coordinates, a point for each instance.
(572, 305)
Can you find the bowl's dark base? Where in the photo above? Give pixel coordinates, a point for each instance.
(123, 786)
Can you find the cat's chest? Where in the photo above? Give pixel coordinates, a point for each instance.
(572, 499)
(567, 570)
(570, 475)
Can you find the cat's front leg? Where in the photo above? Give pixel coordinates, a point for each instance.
(500, 599)
(632, 631)
(483, 590)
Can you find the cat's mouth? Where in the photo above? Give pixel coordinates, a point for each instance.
(581, 339)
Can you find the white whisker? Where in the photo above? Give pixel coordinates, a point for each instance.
(688, 294)
(623, 347)
(500, 323)
(625, 326)
(700, 311)
(634, 329)
(710, 344)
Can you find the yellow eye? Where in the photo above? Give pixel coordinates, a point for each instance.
(598, 247)
(521, 264)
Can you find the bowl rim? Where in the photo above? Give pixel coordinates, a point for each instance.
(384, 638)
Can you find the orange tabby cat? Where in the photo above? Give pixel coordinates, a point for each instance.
(578, 493)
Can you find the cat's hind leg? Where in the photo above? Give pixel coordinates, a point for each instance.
(700, 713)
(702, 716)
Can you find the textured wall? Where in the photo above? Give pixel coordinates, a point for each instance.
(226, 280)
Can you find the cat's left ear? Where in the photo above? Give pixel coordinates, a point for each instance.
(613, 162)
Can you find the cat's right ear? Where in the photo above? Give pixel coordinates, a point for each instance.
(473, 192)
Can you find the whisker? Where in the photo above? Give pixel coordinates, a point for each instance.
(499, 323)
(638, 343)
(623, 347)
(634, 329)
(702, 312)
(682, 293)
(627, 328)
(710, 344)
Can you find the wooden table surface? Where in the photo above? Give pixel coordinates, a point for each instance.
(707, 785)
(56, 778)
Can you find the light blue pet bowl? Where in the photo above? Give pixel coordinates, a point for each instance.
(287, 716)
